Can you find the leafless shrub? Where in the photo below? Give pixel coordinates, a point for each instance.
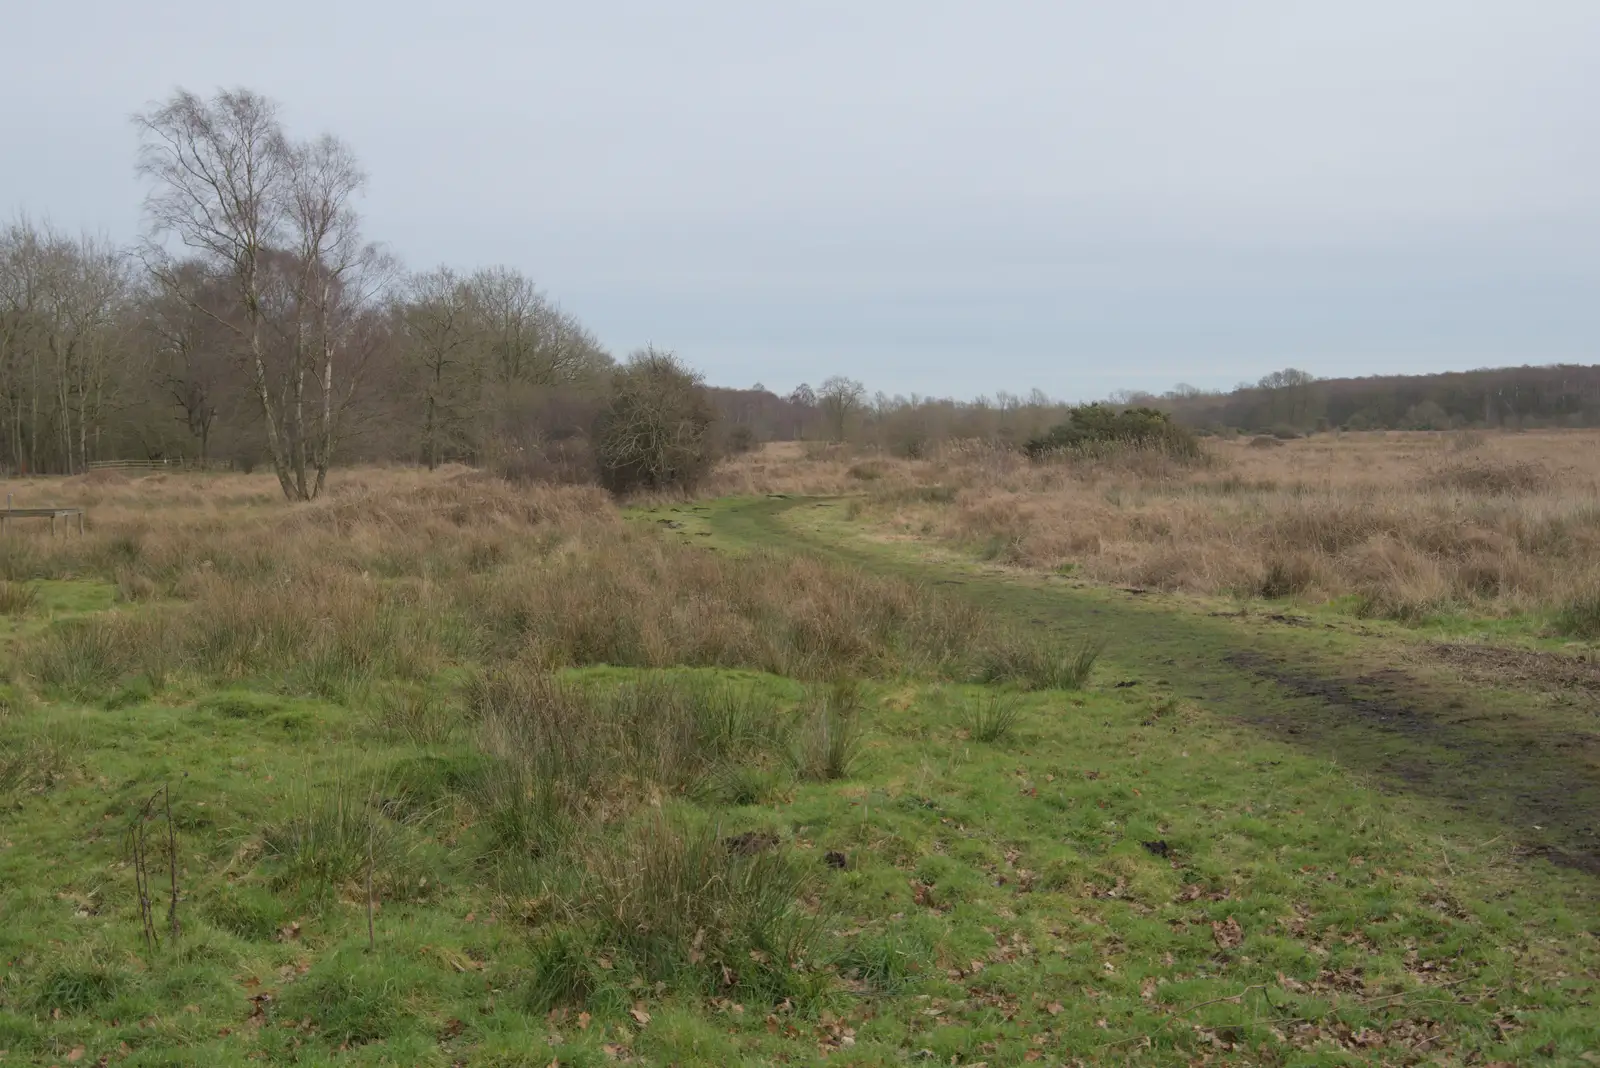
(1489, 477)
(655, 431)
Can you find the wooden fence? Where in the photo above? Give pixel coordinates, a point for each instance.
(180, 464)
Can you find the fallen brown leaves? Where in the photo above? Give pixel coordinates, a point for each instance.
(1228, 934)
(834, 1034)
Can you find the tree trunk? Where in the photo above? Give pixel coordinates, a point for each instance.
(280, 465)
(300, 430)
(430, 442)
(326, 435)
(429, 453)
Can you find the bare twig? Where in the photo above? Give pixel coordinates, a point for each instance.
(172, 863)
(1239, 997)
(136, 851)
(1383, 1000)
(139, 846)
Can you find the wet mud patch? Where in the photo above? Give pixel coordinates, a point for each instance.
(1374, 698)
(1544, 785)
(1525, 669)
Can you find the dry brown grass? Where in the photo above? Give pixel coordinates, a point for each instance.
(398, 575)
(1409, 523)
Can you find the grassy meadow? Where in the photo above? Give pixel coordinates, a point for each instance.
(1387, 525)
(438, 770)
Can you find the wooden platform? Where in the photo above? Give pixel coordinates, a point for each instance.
(51, 514)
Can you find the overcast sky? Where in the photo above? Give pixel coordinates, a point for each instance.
(933, 197)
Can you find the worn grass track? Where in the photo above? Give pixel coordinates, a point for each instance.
(1370, 697)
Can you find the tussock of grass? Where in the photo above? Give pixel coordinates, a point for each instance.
(1288, 575)
(17, 598)
(1579, 617)
(992, 717)
(14, 701)
(418, 713)
(35, 754)
(241, 704)
(887, 962)
(570, 765)
(80, 658)
(677, 901)
(20, 559)
(354, 998)
(249, 912)
(1037, 663)
(866, 472)
(827, 738)
(331, 836)
(565, 756)
(563, 971)
(71, 989)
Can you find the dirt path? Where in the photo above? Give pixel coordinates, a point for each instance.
(1422, 724)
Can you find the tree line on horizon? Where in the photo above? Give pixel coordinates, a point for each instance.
(1513, 398)
(1286, 403)
(255, 323)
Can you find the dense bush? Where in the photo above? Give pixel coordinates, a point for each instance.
(1093, 425)
(656, 429)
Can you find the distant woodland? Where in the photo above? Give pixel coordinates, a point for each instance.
(1509, 397)
(256, 324)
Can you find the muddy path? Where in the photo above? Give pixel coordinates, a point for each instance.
(1524, 760)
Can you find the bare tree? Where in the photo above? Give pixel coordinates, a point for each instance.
(337, 277)
(277, 220)
(527, 339)
(840, 399)
(87, 287)
(188, 366)
(803, 399)
(21, 327)
(217, 171)
(441, 344)
(63, 310)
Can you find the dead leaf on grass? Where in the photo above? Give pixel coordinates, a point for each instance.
(1228, 934)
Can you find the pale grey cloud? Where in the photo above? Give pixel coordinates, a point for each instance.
(943, 197)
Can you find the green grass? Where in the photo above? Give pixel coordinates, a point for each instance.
(1580, 616)
(1069, 862)
(1374, 695)
(992, 717)
(1069, 886)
